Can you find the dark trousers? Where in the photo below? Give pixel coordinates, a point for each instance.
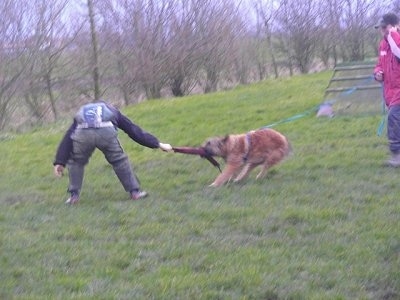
(393, 129)
(85, 141)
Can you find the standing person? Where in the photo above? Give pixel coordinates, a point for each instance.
(95, 126)
(387, 71)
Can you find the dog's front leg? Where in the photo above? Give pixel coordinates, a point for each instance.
(226, 174)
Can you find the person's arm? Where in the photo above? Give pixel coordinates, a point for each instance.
(393, 38)
(135, 132)
(65, 147)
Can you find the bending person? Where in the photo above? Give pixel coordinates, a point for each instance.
(95, 126)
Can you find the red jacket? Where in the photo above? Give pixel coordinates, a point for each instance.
(389, 64)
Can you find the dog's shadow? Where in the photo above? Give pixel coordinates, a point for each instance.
(271, 173)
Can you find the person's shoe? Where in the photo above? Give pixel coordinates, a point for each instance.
(136, 195)
(73, 199)
(394, 160)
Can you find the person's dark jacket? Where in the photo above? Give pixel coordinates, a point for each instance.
(120, 121)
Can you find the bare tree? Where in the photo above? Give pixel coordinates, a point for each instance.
(356, 23)
(298, 26)
(184, 49)
(115, 33)
(12, 56)
(45, 71)
(217, 27)
(265, 13)
(330, 31)
(95, 53)
(149, 31)
(243, 48)
(128, 49)
(133, 38)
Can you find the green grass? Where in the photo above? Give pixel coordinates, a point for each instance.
(322, 225)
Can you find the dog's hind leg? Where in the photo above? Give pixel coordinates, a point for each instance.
(245, 171)
(272, 159)
(263, 172)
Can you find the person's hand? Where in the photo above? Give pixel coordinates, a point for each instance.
(58, 170)
(378, 76)
(165, 147)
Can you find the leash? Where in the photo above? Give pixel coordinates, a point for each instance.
(383, 119)
(293, 118)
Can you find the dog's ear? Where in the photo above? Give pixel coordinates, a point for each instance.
(223, 140)
(206, 143)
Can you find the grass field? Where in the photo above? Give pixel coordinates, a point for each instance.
(325, 224)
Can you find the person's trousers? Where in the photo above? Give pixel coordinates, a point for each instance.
(393, 129)
(85, 141)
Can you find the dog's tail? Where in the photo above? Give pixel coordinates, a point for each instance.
(289, 148)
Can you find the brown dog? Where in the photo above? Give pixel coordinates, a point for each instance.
(243, 152)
